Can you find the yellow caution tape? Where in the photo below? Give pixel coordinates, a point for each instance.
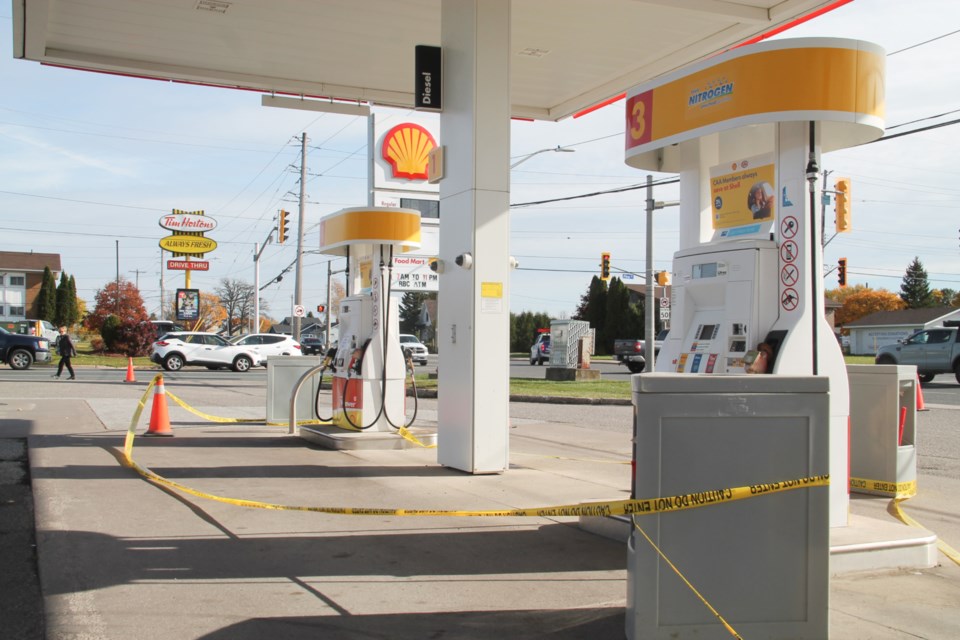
(895, 489)
(604, 508)
(901, 491)
(647, 506)
(409, 437)
(894, 509)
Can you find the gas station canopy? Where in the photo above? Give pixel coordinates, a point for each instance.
(567, 55)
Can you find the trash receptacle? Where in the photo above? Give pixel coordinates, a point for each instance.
(282, 374)
(763, 562)
(883, 429)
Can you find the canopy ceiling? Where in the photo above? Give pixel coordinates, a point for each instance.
(567, 54)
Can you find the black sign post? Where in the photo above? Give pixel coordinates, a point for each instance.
(429, 78)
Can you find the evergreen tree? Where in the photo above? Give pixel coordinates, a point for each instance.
(62, 315)
(595, 311)
(915, 287)
(623, 319)
(74, 303)
(524, 328)
(411, 308)
(47, 298)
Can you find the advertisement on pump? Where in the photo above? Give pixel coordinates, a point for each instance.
(743, 197)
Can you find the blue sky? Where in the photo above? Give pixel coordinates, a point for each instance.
(91, 160)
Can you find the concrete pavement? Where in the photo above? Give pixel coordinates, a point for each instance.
(122, 558)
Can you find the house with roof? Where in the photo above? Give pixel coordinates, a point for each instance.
(308, 327)
(873, 331)
(21, 276)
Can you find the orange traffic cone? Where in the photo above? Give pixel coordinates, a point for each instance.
(920, 404)
(159, 417)
(130, 375)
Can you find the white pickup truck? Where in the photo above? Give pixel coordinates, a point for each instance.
(932, 351)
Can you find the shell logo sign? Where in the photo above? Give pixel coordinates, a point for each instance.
(407, 147)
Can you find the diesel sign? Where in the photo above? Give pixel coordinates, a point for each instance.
(428, 78)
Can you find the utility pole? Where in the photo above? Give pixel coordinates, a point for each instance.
(650, 328)
(298, 287)
(138, 272)
(118, 276)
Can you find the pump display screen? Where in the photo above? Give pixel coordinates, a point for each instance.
(705, 270)
(707, 332)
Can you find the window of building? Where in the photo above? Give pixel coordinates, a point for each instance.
(13, 296)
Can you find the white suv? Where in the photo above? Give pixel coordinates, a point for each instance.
(269, 344)
(412, 343)
(181, 348)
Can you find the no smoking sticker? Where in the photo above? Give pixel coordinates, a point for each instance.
(789, 275)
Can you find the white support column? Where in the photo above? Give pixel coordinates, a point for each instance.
(473, 329)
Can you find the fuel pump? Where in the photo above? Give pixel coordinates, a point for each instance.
(368, 390)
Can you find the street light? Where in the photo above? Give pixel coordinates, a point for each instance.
(558, 149)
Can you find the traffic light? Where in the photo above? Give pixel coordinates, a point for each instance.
(282, 227)
(842, 207)
(842, 272)
(321, 308)
(604, 266)
(663, 278)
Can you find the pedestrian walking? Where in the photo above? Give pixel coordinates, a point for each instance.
(65, 350)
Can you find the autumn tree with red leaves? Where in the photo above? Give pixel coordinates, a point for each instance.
(121, 319)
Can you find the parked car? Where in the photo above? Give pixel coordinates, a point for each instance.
(312, 345)
(178, 349)
(540, 351)
(269, 344)
(20, 351)
(933, 351)
(411, 344)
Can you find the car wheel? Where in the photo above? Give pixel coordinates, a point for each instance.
(173, 362)
(926, 377)
(956, 370)
(636, 367)
(20, 359)
(886, 360)
(242, 364)
(539, 362)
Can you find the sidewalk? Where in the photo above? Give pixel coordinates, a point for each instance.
(122, 558)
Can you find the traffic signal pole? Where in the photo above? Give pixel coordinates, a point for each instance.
(650, 324)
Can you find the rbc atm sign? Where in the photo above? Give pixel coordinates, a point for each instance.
(413, 273)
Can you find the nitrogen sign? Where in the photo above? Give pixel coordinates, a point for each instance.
(189, 245)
